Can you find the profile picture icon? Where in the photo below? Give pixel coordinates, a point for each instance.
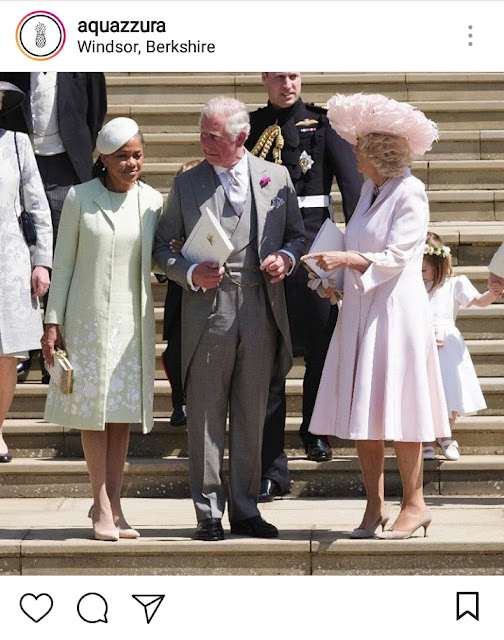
(40, 35)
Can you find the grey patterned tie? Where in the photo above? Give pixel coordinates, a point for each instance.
(237, 193)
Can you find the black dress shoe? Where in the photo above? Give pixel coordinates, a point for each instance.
(254, 527)
(318, 449)
(209, 529)
(269, 490)
(178, 417)
(5, 457)
(23, 369)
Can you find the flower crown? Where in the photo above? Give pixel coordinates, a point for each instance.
(442, 252)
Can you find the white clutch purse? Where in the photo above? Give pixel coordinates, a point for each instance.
(62, 372)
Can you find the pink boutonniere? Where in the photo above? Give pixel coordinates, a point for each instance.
(264, 181)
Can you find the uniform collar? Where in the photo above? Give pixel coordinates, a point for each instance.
(282, 115)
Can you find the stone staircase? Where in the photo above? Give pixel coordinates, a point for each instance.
(464, 175)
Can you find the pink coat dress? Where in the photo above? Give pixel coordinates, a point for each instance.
(381, 378)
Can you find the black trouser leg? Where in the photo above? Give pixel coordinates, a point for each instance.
(172, 361)
(314, 360)
(274, 460)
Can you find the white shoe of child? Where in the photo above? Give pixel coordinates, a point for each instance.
(429, 453)
(450, 448)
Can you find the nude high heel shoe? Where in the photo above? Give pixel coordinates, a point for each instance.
(369, 532)
(111, 536)
(128, 533)
(394, 534)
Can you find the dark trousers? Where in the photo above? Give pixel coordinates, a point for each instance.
(172, 363)
(172, 333)
(58, 176)
(312, 320)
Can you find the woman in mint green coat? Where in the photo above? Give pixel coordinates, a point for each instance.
(101, 311)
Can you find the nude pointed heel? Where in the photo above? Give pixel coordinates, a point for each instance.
(129, 533)
(110, 536)
(394, 534)
(368, 532)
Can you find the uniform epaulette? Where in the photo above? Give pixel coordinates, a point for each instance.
(315, 107)
(259, 111)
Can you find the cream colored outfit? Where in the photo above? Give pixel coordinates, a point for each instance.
(101, 294)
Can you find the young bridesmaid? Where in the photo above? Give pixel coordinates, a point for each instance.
(446, 293)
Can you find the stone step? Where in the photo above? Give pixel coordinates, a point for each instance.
(480, 475)
(168, 115)
(474, 323)
(465, 206)
(487, 356)
(317, 87)
(33, 438)
(448, 206)
(29, 398)
(452, 145)
(468, 145)
(52, 536)
(435, 174)
(472, 243)
(482, 324)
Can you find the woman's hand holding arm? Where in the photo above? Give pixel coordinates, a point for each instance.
(176, 244)
(51, 340)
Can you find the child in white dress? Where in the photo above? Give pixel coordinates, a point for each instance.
(446, 293)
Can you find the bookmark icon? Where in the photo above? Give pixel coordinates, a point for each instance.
(150, 604)
(468, 604)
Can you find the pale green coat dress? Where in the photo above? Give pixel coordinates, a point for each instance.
(91, 273)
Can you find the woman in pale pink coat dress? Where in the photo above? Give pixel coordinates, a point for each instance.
(381, 378)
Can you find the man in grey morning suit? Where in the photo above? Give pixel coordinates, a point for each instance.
(235, 330)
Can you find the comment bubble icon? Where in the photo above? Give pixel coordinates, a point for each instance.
(92, 608)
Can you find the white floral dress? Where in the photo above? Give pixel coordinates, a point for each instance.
(20, 320)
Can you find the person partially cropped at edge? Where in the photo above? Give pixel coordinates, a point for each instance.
(24, 270)
(382, 378)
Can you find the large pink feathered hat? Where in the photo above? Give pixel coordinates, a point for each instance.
(356, 115)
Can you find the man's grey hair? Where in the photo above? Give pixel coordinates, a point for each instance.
(237, 115)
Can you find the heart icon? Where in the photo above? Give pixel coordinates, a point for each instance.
(36, 607)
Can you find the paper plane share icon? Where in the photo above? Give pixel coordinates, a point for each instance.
(150, 604)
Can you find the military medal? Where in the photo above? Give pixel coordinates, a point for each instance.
(305, 162)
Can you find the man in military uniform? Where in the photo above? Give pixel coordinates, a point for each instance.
(299, 136)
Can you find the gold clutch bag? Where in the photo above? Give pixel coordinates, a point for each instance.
(62, 372)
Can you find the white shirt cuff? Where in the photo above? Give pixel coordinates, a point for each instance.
(293, 260)
(189, 277)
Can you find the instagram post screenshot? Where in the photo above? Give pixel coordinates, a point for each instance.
(251, 321)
